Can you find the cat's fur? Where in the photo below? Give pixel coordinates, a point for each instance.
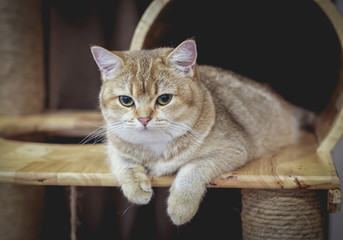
(215, 123)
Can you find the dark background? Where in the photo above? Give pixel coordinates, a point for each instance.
(289, 44)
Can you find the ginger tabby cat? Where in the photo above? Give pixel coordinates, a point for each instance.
(165, 114)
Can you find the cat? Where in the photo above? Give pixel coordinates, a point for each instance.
(165, 114)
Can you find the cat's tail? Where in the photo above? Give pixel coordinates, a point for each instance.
(305, 118)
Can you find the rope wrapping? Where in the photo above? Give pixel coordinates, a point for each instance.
(282, 214)
(73, 213)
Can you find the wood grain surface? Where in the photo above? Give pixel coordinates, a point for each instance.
(60, 123)
(296, 166)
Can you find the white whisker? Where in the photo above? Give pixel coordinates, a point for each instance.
(97, 135)
(183, 127)
(127, 209)
(92, 124)
(190, 135)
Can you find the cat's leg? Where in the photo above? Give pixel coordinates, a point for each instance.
(190, 183)
(132, 178)
(135, 184)
(187, 191)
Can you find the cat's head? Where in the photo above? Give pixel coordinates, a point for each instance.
(149, 96)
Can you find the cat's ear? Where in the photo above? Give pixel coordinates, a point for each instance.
(184, 57)
(107, 61)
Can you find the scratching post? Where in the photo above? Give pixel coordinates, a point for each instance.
(21, 92)
(282, 214)
(73, 212)
(21, 57)
(21, 211)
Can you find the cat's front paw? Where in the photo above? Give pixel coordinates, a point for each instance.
(182, 208)
(138, 189)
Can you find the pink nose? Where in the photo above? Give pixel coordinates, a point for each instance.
(144, 120)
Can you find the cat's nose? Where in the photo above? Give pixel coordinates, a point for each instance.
(144, 120)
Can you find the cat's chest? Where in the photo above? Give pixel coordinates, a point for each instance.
(161, 167)
(158, 150)
(165, 160)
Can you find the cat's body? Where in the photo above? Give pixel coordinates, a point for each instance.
(167, 115)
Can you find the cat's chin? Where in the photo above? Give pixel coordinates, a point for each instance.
(146, 136)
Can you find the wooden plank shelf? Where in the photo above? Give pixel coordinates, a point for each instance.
(62, 123)
(294, 167)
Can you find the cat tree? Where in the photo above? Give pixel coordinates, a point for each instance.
(277, 189)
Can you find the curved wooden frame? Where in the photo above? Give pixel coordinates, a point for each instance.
(306, 165)
(147, 19)
(330, 127)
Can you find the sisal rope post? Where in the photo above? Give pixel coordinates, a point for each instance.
(73, 213)
(21, 57)
(283, 214)
(21, 92)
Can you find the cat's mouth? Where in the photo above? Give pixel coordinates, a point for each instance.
(145, 129)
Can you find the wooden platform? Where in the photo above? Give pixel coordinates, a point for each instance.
(294, 167)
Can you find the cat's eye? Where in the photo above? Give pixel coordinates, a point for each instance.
(126, 101)
(164, 99)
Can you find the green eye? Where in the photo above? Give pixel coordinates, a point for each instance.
(164, 99)
(126, 101)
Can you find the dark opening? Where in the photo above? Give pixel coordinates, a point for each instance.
(289, 44)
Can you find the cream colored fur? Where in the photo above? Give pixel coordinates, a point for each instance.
(216, 122)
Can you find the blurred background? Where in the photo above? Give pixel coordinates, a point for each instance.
(72, 81)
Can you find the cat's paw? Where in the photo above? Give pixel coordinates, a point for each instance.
(181, 208)
(138, 190)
